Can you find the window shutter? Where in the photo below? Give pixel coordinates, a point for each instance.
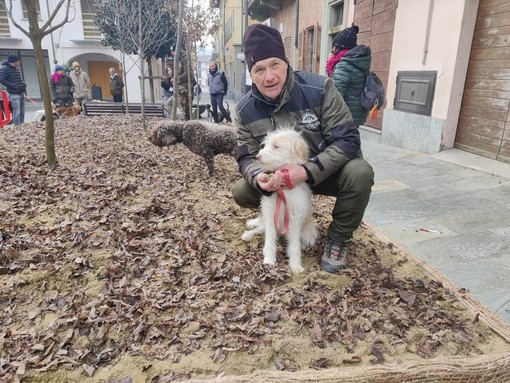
(316, 48)
(300, 62)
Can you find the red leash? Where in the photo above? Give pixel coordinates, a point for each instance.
(29, 99)
(280, 198)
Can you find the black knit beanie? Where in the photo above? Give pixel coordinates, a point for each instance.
(13, 58)
(261, 42)
(346, 39)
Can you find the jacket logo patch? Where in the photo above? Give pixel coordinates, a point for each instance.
(309, 118)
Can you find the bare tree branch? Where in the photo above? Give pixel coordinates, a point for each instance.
(43, 30)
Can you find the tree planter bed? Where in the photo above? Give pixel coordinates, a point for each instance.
(125, 264)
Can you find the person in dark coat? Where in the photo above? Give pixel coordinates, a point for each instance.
(10, 78)
(218, 86)
(181, 80)
(116, 85)
(349, 72)
(61, 88)
(167, 83)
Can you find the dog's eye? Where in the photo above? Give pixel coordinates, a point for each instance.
(262, 146)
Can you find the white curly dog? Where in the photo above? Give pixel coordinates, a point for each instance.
(287, 212)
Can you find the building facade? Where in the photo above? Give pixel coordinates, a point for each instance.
(78, 40)
(444, 65)
(227, 45)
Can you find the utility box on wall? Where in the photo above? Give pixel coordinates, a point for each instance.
(415, 91)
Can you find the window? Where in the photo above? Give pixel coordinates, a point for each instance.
(310, 55)
(336, 18)
(309, 50)
(287, 43)
(336, 15)
(88, 12)
(229, 28)
(4, 21)
(37, 8)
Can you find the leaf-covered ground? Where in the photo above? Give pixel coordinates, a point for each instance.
(125, 264)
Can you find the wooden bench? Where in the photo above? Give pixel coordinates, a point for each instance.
(91, 108)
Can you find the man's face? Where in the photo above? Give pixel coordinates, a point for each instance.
(269, 76)
(212, 66)
(16, 64)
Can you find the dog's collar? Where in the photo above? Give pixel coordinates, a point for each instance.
(286, 177)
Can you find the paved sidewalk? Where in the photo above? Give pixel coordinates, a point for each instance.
(452, 210)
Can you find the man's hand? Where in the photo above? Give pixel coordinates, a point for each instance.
(274, 181)
(297, 173)
(270, 182)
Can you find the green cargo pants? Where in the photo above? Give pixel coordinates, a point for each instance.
(351, 186)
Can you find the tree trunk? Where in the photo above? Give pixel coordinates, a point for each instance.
(49, 122)
(142, 90)
(177, 53)
(151, 82)
(36, 37)
(190, 82)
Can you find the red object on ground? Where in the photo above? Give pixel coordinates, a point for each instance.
(6, 112)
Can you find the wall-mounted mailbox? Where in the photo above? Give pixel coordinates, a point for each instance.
(415, 91)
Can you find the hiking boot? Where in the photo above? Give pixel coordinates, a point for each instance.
(333, 258)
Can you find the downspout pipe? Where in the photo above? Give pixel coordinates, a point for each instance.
(427, 33)
(245, 25)
(296, 39)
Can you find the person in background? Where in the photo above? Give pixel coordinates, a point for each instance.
(198, 90)
(182, 82)
(81, 83)
(10, 78)
(167, 83)
(116, 85)
(61, 88)
(310, 104)
(348, 65)
(218, 86)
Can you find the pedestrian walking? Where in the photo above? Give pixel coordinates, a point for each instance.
(348, 66)
(116, 85)
(61, 88)
(81, 82)
(218, 86)
(167, 83)
(10, 77)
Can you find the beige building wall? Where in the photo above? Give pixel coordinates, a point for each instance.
(285, 21)
(231, 31)
(430, 36)
(310, 22)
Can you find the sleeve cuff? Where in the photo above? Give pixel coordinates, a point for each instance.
(309, 178)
